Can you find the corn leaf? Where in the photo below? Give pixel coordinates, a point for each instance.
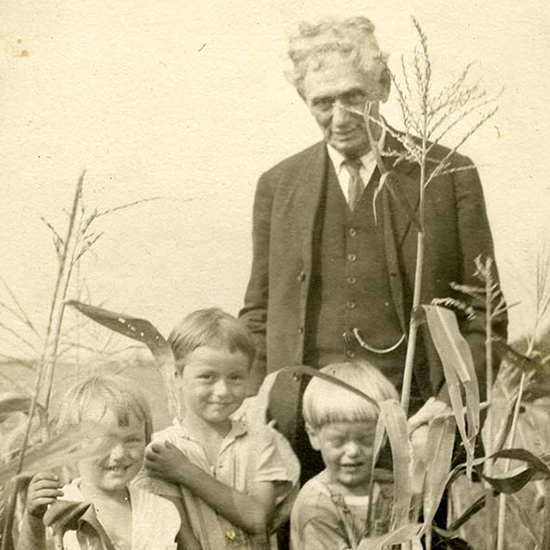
(404, 534)
(63, 449)
(441, 437)
(11, 402)
(395, 422)
(310, 371)
(512, 481)
(142, 331)
(459, 371)
(63, 515)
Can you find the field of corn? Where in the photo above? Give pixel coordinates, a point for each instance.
(497, 500)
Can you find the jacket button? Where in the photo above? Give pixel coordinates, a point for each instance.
(352, 257)
(352, 231)
(350, 353)
(301, 330)
(352, 280)
(302, 277)
(350, 305)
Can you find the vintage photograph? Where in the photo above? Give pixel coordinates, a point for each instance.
(274, 275)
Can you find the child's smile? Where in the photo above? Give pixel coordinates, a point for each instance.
(214, 383)
(121, 464)
(347, 449)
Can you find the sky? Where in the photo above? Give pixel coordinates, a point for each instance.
(188, 102)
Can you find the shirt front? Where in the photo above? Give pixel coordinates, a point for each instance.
(155, 523)
(368, 166)
(245, 457)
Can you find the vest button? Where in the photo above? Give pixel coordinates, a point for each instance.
(352, 257)
(302, 277)
(352, 280)
(353, 231)
(350, 353)
(301, 330)
(350, 305)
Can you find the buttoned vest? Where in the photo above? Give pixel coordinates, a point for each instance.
(350, 291)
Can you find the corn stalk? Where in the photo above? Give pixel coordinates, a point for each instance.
(428, 117)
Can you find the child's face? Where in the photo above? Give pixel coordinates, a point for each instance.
(347, 450)
(214, 383)
(114, 470)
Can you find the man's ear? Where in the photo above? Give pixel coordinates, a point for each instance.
(313, 435)
(385, 85)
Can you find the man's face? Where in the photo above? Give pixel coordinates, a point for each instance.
(331, 91)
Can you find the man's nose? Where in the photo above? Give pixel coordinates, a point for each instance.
(340, 113)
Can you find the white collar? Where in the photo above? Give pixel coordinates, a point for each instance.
(367, 159)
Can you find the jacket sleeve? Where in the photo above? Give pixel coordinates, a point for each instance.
(475, 240)
(254, 311)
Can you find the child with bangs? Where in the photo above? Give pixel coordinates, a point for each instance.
(331, 511)
(121, 516)
(234, 475)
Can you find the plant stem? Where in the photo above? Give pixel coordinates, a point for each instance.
(413, 323)
(546, 517)
(44, 362)
(489, 499)
(62, 283)
(503, 496)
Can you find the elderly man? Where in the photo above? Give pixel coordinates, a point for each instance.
(330, 282)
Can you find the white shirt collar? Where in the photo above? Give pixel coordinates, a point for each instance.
(367, 159)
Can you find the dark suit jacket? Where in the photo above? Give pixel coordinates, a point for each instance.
(285, 209)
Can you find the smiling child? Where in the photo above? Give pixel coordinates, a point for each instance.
(332, 508)
(231, 475)
(121, 516)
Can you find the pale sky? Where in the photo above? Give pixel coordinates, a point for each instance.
(188, 101)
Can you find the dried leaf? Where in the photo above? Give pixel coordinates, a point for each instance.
(142, 331)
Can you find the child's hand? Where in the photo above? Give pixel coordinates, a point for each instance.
(43, 490)
(167, 462)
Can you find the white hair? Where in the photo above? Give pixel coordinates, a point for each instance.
(351, 38)
(325, 402)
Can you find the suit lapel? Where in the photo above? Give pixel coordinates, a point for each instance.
(397, 224)
(310, 190)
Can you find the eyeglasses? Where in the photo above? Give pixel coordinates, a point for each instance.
(354, 99)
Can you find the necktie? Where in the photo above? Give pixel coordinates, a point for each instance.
(355, 185)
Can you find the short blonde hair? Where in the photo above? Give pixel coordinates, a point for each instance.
(351, 38)
(326, 403)
(211, 327)
(97, 395)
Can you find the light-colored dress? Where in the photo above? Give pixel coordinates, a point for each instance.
(247, 455)
(155, 523)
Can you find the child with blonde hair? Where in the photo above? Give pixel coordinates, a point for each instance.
(332, 508)
(234, 475)
(120, 516)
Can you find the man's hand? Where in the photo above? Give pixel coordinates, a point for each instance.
(167, 462)
(43, 489)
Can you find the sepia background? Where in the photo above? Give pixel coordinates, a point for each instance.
(189, 103)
